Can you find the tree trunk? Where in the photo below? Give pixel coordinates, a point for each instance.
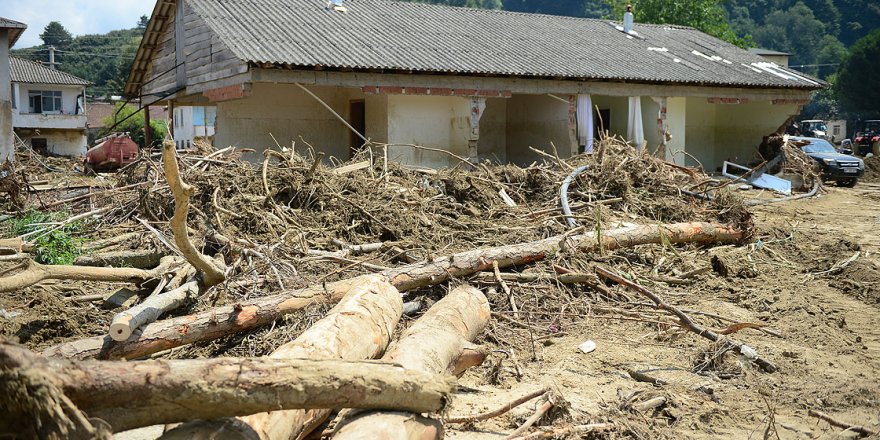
(129, 395)
(221, 321)
(359, 327)
(36, 272)
(431, 345)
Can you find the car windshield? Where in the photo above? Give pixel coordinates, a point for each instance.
(818, 146)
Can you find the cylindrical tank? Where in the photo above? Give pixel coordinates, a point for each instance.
(114, 152)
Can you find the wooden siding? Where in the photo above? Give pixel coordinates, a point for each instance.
(205, 58)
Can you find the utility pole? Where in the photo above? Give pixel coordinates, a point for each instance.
(52, 62)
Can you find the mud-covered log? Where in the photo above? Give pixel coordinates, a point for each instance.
(432, 345)
(215, 323)
(128, 395)
(35, 272)
(138, 258)
(359, 327)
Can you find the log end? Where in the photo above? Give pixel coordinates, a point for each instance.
(120, 331)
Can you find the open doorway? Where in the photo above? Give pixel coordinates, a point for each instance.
(601, 122)
(358, 119)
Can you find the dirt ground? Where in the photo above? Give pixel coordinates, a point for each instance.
(828, 355)
(809, 278)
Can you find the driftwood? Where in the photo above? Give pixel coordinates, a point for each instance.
(212, 271)
(150, 309)
(139, 258)
(128, 395)
(431, 345)
(861, 430)
(36, 272)
(688, 323)
(217, 322)
(359, 327)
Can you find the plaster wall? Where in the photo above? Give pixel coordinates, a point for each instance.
(536, 121)
(6, 145)
(493, 131)
(287, 113)
(69, 95)
(700, 133)
(70, 143)
(429, 121)
(676, 116)
(740, 128)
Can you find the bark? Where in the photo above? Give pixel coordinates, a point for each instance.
(150, 309)
(432, 345)
(36, 272)
(212, 271)
(359, 327)
(139, 258)
(221, 321)
(129, 395)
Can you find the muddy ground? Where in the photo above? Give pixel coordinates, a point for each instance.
(809, 275)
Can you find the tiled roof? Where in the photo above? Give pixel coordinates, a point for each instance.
(26, 71)
(15, 28)
(415, 37)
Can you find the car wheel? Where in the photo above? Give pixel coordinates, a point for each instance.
(847, 183)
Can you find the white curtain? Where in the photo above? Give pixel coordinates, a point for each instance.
(635, 131)
(585, 122)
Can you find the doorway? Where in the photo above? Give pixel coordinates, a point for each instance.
(601, 122)
(358, 119)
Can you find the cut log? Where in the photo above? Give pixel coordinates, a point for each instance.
(218, 322)
(150, 309)
(431, 345)
(129, 395)
(36, 272)
(359, 327)
(212, 272)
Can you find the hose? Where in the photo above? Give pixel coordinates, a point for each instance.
(563, 195)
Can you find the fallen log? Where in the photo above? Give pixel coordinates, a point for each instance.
(217, 322)
(431, 345)
(35, 272)
(212, 271)
(150, 309)
(359, 327)
(138, 258)
(129, 395)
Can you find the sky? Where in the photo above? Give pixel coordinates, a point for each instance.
(80, 17)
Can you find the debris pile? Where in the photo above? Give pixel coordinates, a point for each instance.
(192, 264)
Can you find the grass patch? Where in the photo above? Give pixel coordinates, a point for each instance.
(60, 246)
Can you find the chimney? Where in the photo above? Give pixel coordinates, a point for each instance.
(628, 19)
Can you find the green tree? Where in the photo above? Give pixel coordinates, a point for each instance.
(54, 34)
(143, 21)
(133, 124)
(485, 4)
(708, 16)
(858, 78)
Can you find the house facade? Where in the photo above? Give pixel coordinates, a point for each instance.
(10, 30)
(48, 108)
(483, 84)
(193, 122)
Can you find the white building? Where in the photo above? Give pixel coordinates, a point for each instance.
(48, 108)
(10, 30)
(193, 123)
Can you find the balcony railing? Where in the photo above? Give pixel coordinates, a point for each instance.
(39, 120)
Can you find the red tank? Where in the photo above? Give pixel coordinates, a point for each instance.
(112, 152)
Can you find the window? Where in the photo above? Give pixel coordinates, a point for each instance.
(44, 101)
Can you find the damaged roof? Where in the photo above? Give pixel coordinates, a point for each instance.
(391, 36)
(26, 71)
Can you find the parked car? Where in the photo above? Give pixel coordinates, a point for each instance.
(814, 128)
(841, 168)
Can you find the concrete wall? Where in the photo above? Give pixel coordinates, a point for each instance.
(287, 113)
(535, 121)
(70, 143)
(376, 117)
(6, 145)
(740, 128)
(676, 119)
(69, 95)
(700, 133)
(493, 131)
(429, 121)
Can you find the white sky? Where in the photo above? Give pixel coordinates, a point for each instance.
(78, 16)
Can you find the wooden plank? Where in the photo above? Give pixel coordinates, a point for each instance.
(351, 167)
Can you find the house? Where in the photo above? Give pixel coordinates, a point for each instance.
(780, 58)
(193, 122)
(100, 112)
(10, 30)
(48, 108)
(483, 84)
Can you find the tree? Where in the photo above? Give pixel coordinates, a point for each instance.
(708, 16)
(858, 78)
(54, 34)
(134, 125)
(143, 21)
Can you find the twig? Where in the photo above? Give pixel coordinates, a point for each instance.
(565, 432)
(498, 411)
(534, 418)
(686, 321)
(862, 430)
(506, 289)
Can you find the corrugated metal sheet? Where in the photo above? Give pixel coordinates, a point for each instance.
(25, 71)
(388, 35)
